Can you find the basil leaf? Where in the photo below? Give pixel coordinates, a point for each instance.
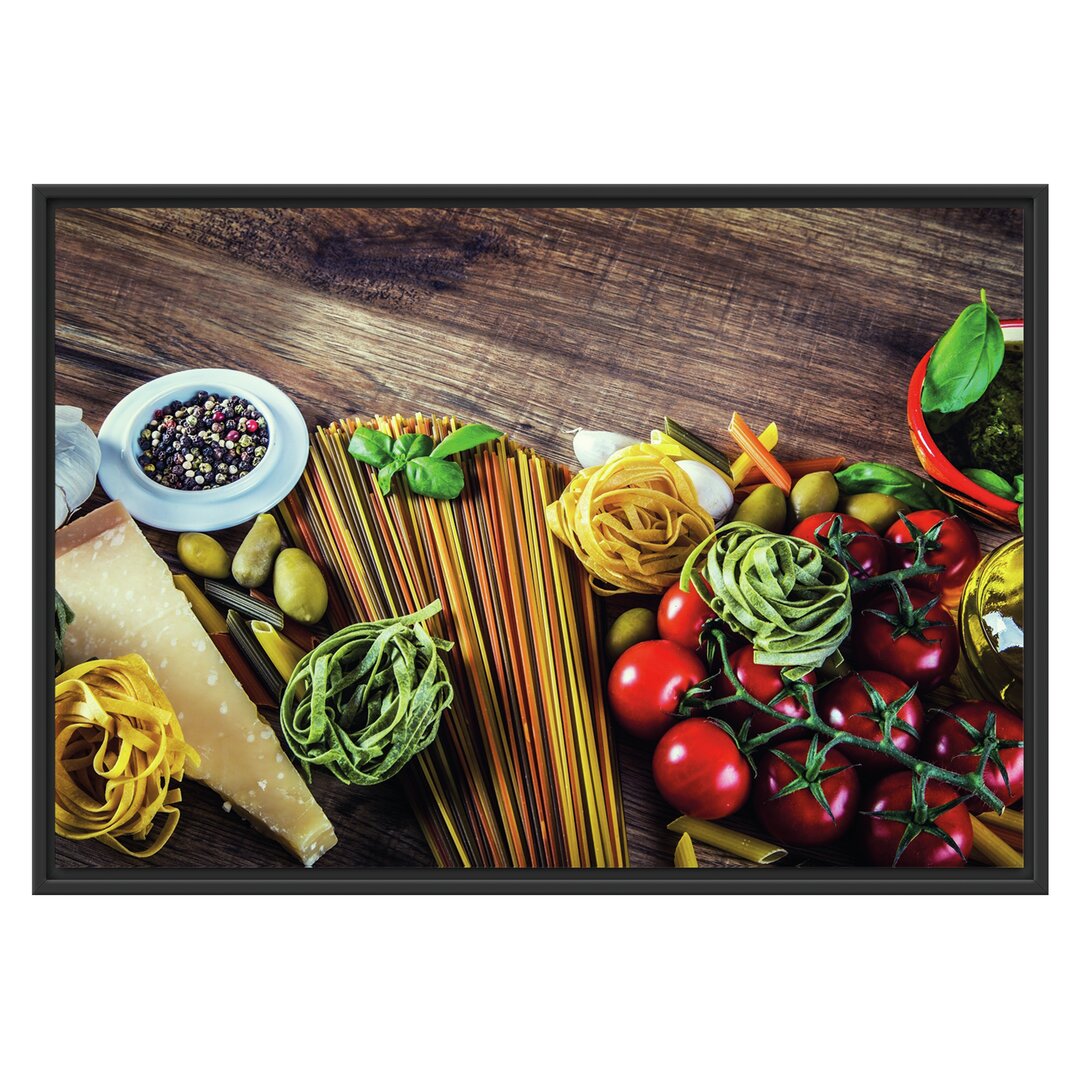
(964, 361)
(912, 490)
(371, 447)
(465, 438)
(434, 478)
(1020, 516)
(1018, 487)
(412, 446)
(990, 480)
(388, 472)
(63, 619)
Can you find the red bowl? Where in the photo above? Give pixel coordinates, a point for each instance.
(982, 503)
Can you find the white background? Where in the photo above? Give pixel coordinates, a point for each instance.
(664, 987)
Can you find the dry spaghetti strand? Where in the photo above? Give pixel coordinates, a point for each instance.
(523, 771)
(118, 748)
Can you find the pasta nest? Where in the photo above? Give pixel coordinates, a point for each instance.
(788, 597)
(631, 522)
(119, 748)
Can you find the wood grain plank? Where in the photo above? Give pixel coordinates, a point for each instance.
(536, 321)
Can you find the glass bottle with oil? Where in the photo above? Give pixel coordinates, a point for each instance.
(990, 620)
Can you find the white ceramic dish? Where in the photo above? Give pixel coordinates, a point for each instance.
(218, 508)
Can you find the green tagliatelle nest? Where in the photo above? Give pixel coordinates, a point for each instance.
(788, 597)
(368, 698)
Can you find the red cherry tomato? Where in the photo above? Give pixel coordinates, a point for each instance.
(927, 657)
(699, 770)
(866, 552)
(682, 615)
(646, 683)
(764, 682)
(956, 548)
(947, 744)
(881, 837)
(798, 817)
(845, 703)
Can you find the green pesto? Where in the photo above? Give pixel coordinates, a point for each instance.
(990, 434)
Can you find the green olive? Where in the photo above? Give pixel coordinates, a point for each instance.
(255, 557)
(202, 555)
(765, 506)
(637, 624)
(878, 511)
(814, 493)
(299, 587)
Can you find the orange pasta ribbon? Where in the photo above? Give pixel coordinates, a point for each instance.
(632, 521)
(118, 748)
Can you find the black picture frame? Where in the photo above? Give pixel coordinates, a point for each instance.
(1031, 880)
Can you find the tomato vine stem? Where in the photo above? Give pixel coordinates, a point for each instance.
(698, 699)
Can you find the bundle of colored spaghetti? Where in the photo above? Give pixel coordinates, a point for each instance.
(523, 771)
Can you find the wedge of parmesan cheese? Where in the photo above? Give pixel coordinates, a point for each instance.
(124, 601)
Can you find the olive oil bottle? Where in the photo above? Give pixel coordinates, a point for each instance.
(990, 620)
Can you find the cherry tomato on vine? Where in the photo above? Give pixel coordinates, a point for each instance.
(699, 770)
(925, 651)
(646, 683)
(948, 744)
(956, 548)
(881, 838)
(847, 706)
(764, 682)
(799, 817)
(866, 555)
(682, 615)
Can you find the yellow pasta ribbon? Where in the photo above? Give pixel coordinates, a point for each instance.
(118, 747)
(631, 522)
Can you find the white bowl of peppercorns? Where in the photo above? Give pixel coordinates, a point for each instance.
(207, 441)
(202, 450)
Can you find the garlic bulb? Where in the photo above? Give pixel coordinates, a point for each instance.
(595, 447)
(77, 459)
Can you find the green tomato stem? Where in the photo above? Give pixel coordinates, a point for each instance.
(749, 745)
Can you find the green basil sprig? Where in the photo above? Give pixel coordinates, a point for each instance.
(964, 361)
(366, 700)
(990, 480)
(913, 491)
(426, 470)
(1001, 487)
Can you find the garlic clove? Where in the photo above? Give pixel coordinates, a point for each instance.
(595, 447)
(713, 492)
(77, 460)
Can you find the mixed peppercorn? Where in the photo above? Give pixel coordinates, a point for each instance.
(205, 442)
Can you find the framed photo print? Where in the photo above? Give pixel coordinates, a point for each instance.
(597, 539)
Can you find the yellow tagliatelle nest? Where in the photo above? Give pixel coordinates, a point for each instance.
(631, 521)
(118, 747)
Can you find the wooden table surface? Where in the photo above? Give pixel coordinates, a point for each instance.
(536, 321)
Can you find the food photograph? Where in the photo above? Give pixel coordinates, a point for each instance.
(618, 542)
